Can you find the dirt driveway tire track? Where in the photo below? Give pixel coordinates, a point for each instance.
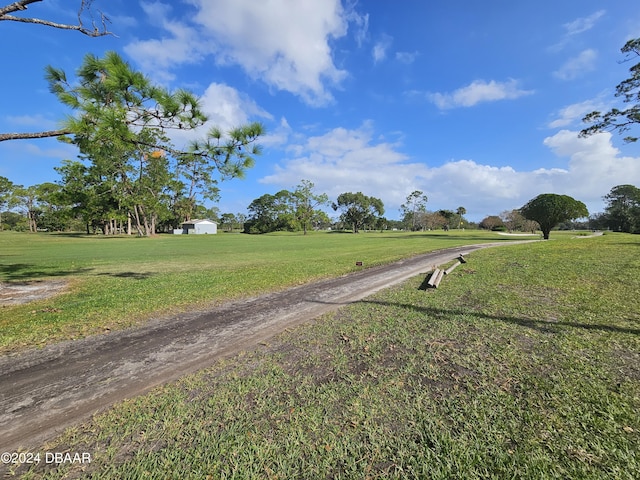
(43, 391)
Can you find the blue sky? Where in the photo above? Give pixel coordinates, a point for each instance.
(478, 104)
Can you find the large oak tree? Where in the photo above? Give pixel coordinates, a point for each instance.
(623, 208)
(359, 209)
(550, 209)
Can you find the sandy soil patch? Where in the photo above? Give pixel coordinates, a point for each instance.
(25, 292)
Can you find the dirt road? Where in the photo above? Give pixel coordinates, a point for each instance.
(43, 391)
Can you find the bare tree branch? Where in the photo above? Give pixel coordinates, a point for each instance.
(94, 31)
(85, 5)
(14, 7)
(26, 136)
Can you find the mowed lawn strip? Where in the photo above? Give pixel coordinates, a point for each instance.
(524, 363)
(117, 282)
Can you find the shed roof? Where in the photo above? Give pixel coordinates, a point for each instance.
(198, 221)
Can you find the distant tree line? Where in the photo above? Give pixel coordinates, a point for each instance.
(416, 217)
(80, 202)
(297, 210)
(50, 207)
(622, 213)
(302, 208)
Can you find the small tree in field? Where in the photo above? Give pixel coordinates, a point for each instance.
(491, 222)
(306, 203)
(358, 209)
(549, 209)
(416, 204)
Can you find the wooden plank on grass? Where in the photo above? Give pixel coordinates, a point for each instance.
(452, 267)
(433, 277)
(439, 278)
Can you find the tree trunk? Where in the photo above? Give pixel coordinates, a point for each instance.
(146, 226)
(33, 226)
(137, 219)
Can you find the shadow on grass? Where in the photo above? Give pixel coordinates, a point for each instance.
(446, 236)
(133, 275)
(89, 235)
(26, 271)
(545, 326)
(425, 283)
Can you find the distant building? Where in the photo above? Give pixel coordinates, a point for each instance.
(197, 227)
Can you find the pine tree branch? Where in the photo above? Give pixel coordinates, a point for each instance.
(26, 136)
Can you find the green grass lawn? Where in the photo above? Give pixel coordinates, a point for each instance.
(524, 363)
(117, 282)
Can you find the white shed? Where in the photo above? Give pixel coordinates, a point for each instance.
(199, 227)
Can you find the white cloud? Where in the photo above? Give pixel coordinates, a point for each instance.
(577, 66)
(285, 44)
(226, 108)
(38, 121)
(32, 162)
(477, 92)
(360, 22)
(379, 50)
(345, 160)
(595, 165)
(160, 56)
(583, 24)
(56, 150)
(576, 27)
(278, 136)
(122, 21)
(574, 113)
(406, 57)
